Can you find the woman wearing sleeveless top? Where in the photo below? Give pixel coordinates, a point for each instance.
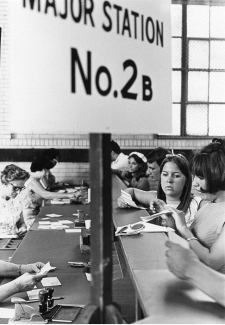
(174, 189)
(33, 192)
(207, 233)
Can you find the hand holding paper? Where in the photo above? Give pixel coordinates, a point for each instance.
(46, 268)
(127, 199)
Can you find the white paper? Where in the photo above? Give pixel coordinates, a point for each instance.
(66, 222)
(7, 312)
(70, 190)
(72, 230)
(153, 216)
(57, 202)
(88, 276)
(50, 281)
(44, 227)
(54, 215)
(33, 294)
(44, 222)
(47, 218)
(66, 200)
(61, 191)
(46, 268)
(56, 223)
(128, 199)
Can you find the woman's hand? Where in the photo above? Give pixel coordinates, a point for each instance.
(27, 281)
(157, 205)
(179, 259)
(32, 268)
(22, 231)
(178, 216)
(121, 203)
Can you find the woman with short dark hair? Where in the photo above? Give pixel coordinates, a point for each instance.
(207, 233)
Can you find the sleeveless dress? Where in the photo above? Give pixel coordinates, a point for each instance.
(208, 224)
(31, 203)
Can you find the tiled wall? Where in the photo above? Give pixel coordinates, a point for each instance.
(72, 173)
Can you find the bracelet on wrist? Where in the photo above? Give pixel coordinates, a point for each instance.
(192, 238)
(20, 272)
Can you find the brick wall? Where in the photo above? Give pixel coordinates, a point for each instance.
(4, 71)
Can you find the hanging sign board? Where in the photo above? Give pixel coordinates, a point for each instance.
(81, 66)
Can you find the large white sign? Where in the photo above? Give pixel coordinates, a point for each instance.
(90, 66)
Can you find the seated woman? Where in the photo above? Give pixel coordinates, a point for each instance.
(49, 180)
(27, 276)
(207, 233)
(11, 219)
(174, 189)
(137, 174)
(33, 195)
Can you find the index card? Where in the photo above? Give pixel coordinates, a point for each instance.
(44, 222)
(50, 282)
(73, 230)
(33, 294)
(7, 312)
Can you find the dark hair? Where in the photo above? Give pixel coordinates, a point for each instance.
(142, 168)
(13, 172)
(41, 163)
(157, 155)
(183, 164)
(51, 153)
(209, 163)
(115, 147)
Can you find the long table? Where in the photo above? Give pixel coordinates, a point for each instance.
(59, 247)
(161, 298)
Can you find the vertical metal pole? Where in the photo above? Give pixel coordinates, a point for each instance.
(184, 71)
(0, 43)
(101, 222)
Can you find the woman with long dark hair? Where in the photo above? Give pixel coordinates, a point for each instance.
(207, 233)
(174, 189)
(137, 174)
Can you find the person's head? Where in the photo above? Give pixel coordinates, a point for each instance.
(137, 165)
(115, 150)
(40, 166)
(154, 160)
(208, 169)
(175, 181)
(53, 154)
(14, 178)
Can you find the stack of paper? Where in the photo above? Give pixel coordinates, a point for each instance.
(58, 225)
(128, 199)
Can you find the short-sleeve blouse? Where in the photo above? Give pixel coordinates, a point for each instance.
(208, 224)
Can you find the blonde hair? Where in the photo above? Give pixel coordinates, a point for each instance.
(13, 172)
